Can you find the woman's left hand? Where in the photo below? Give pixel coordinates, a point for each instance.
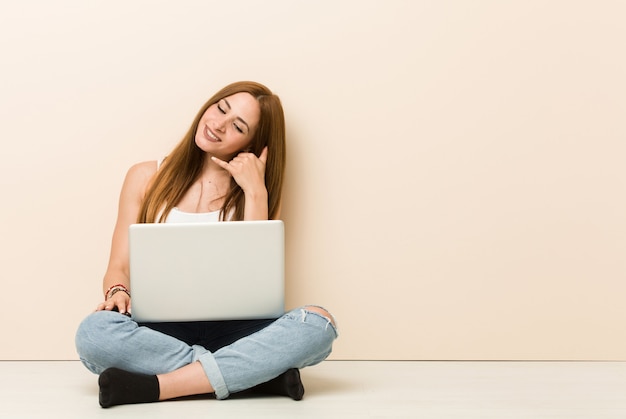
(247, 169)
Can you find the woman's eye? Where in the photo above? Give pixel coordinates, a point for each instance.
(221, 109)
(238, 128)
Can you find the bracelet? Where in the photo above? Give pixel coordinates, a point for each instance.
(116, 290)
(112, 287)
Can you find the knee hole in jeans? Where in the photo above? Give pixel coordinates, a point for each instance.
(321, 312)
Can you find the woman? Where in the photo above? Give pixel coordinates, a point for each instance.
(229, 166)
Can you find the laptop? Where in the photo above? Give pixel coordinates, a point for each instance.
(230, 270)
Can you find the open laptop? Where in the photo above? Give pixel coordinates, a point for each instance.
(207, 271)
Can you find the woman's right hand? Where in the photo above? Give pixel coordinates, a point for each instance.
(120, 301)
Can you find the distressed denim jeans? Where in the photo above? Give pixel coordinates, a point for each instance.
(298, 339)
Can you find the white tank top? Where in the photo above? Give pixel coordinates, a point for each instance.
(178, 216)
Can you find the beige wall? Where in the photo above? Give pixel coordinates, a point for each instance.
(455, 183)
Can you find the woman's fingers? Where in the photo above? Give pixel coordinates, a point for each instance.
(263, 156)
(118, 302)
(221, 163)
(247, 169)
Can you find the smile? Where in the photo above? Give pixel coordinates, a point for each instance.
(210, 135)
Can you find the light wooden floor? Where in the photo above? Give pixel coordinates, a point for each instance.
(350, 389)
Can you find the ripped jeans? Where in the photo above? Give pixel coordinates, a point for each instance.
(235, 355)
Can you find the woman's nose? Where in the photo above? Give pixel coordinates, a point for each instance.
(220, 125)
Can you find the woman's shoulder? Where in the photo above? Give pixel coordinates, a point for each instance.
(140, 174)
(144, 168)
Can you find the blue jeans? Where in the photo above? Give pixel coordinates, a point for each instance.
(240, 354)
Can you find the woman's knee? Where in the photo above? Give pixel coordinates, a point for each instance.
(96, 332)
(95, 323)
(87, 328)
(322, 312)
(98, 339)
(88, 341)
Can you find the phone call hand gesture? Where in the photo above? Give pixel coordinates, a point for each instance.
(247, 169)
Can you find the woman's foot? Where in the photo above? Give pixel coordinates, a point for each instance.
(287, 384)
(123, 387)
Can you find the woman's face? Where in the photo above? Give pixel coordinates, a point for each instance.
(228, 126)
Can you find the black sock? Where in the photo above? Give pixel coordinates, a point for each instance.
(286, 384)
(122, 387)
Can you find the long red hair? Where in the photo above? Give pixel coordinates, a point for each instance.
(184, 164)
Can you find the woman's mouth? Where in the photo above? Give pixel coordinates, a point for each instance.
(210, 136)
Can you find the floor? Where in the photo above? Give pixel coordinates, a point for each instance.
(350, 389)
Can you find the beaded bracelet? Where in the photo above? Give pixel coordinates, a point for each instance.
(116, 290)
(112, 287)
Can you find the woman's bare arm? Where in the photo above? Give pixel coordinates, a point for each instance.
(131, 196)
